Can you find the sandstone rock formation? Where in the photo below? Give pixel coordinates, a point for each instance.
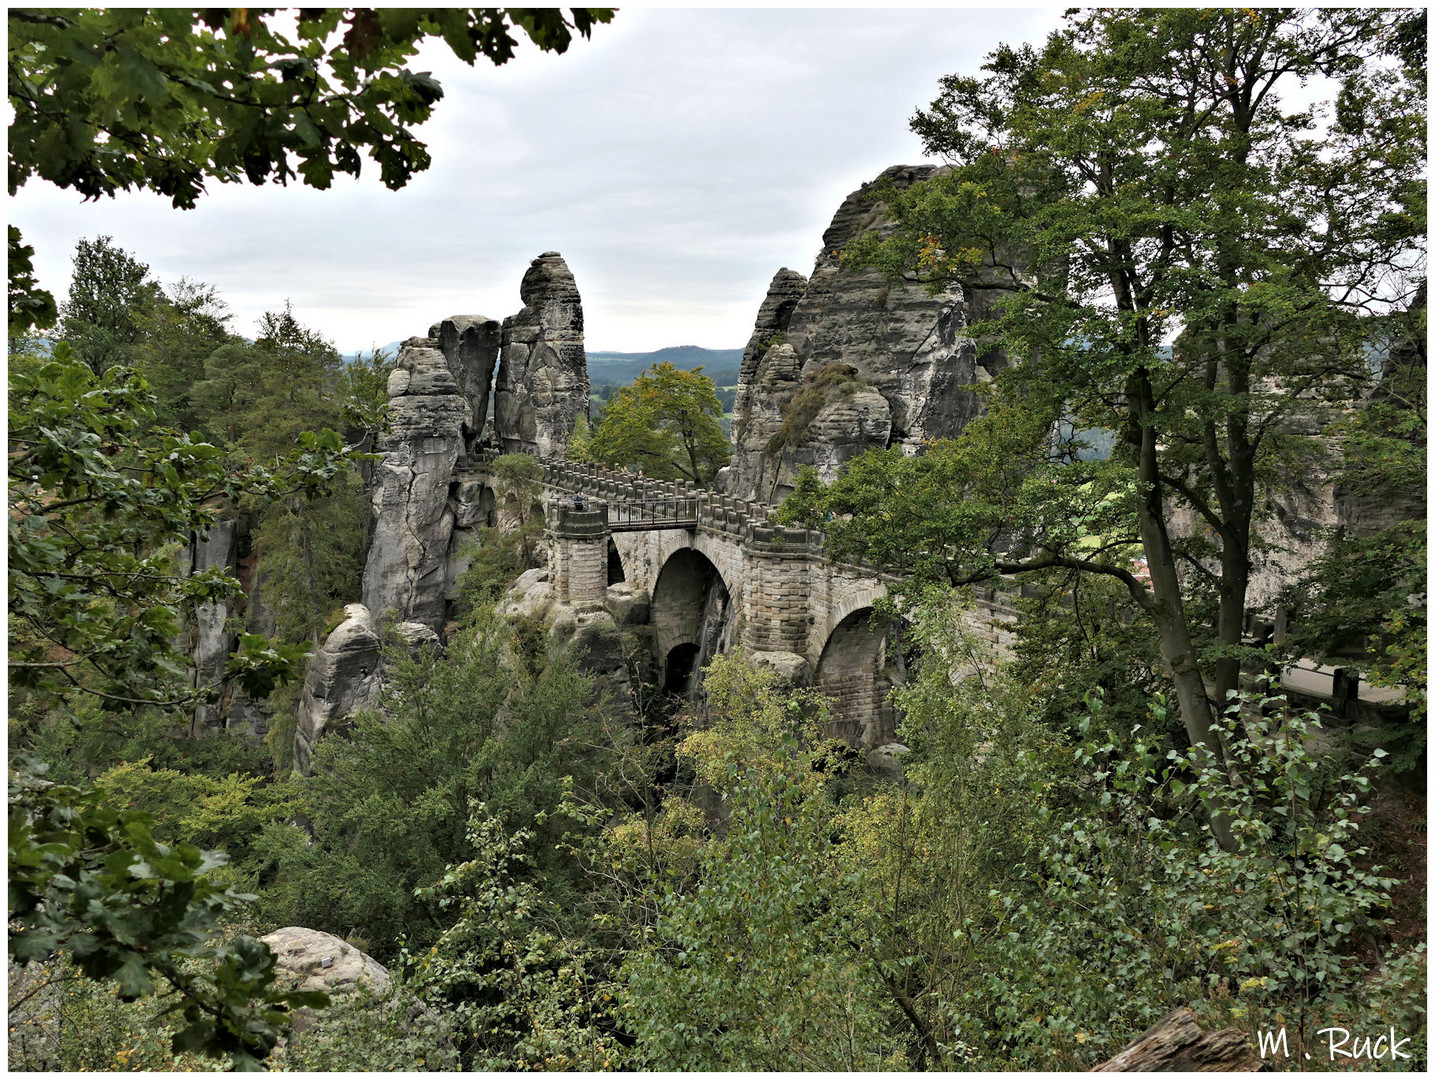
(542, 385)
(313, 960)
(213, 641)
(343, 677)
(408, 561)
(346, 675)
(871, 364)
(470, 344)
(783, 294)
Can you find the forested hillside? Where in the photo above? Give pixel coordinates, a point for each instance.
(521, 867)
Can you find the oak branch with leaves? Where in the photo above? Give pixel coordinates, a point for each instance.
(165, 99)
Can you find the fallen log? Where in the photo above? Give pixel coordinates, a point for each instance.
(1176, 1043)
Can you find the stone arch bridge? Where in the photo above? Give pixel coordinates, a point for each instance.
(719, 573)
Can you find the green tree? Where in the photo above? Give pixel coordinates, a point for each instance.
(163, 99)
(91, 881)
(389, 804)
(98, 511)
(763, 961)
(667, 423)
(1136, 182)
(111, 295)
(179, 331)
(30, 305)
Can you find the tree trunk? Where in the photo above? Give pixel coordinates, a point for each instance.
(1169, 613)
(1177, 1044)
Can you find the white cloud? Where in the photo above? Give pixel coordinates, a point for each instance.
(676, 160)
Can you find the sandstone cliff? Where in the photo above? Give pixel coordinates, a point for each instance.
(470, 345)
(542, 385)
(845, 361)
(408, 562)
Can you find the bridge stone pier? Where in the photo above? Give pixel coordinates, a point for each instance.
(719, 572)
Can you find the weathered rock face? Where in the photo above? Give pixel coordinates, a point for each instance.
(782, 297)
(213, 641)
(408, 562)
(343, 677)
(854, 339)
(542, 385)
(470, 344)
(313, 960)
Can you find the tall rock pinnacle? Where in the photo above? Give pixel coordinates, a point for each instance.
(542, 385)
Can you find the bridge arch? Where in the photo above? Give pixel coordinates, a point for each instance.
(856, 596)
(853, 671)
(616, 572)
(692, 617)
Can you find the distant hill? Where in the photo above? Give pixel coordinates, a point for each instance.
(621, 368)
(392, 348)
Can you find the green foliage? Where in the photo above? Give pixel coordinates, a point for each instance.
(178, 330)
(388, 806)
(499, 555)
(831, 382)
(518, 991)
(226, 95)
(228, 812)
(90, 882)
(98, 514)
(580, 443)
(667, 423)
(1142, 173)
(31, 307)
(1078, 633)
(111, 295)
(756, 968)
(163, 99)
(1124, 911)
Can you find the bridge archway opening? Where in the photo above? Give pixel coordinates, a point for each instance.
(857, 672)
(615, 564)
(679, 668)
(691, 607)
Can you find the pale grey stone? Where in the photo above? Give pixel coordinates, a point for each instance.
(470, 345)
(542, 385)
(885, 761)
(343, 677)
(407, 568)
(900, 343)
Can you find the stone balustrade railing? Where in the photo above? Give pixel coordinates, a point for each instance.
(634, 498)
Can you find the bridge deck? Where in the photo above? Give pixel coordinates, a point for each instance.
(652, 525)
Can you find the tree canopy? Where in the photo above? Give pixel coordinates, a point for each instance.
(164, 99)
(1188, 262)
(668, 423)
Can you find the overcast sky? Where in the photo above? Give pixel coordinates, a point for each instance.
(677, 160)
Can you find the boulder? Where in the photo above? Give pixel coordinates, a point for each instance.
(407, 568)
(343, 677)
(542, 385)
(629, 604)
(416, 637)
(790, 668)
(530, 597)
(885, 761)
(313, 960)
